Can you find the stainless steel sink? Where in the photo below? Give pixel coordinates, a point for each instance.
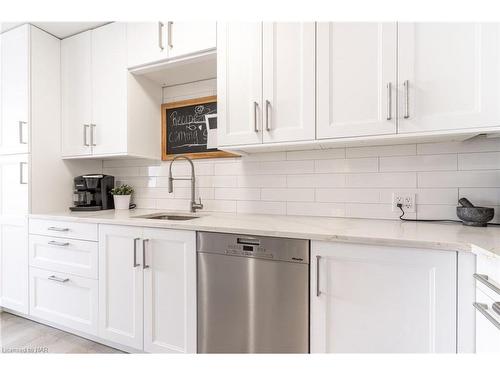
(168, 216)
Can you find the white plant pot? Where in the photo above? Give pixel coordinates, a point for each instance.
(122, 202)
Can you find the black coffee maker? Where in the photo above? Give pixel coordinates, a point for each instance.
(92, 192)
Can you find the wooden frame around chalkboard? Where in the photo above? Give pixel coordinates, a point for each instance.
(194, 155)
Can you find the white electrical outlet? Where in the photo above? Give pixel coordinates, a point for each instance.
(406, 199)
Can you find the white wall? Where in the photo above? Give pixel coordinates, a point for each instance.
(345, 182)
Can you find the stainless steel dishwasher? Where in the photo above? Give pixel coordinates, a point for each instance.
(253, 294)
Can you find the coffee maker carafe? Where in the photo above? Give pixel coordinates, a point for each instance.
(92, 192)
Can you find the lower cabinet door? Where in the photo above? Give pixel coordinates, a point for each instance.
(169, 291)
(487, 323)
(14, 264)
(374, 299)
(121, 285)
(64, 299)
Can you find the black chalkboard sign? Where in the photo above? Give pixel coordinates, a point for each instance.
(185, 130)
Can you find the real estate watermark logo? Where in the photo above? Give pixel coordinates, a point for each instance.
(28, 350)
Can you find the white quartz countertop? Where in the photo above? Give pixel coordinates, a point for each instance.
(439, 236)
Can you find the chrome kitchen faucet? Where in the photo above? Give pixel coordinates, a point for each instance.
(194, 206)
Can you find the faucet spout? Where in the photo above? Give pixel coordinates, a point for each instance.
(194, 206)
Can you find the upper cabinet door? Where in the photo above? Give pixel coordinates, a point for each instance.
(188, 37)
(109, 89)
(356, 79)
(146, 42)
(289, 81)
(76, 94)
(239, 83)
(14, 107)
(169, 291)
(448, 76)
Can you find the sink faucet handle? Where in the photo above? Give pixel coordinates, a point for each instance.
(201, 204)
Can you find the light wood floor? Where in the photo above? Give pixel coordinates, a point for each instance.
(20, 333)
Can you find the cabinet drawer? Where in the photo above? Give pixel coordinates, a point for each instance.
(487, 331)
(64, 299)
(75, 257)
(64, 229)
(488, 276)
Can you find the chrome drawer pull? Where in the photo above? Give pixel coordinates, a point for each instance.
(57, 229)
(318, 292)
(56, 243)
(483, 309)
(406, 86)
(144, 265)
(58, 279)
(135, 264)
(486, 281)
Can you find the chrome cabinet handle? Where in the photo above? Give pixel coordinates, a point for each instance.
(406, 86)
(483, 309)
(486, 281)
(160, 35)
(268, 104)
(58, 279)
(135, 252)
(144, 265)
(21, 139)
(169, 30)
(92, 134)
(389, 101)
(318, 292)
(21, 173)
(57, 229)
(85, 140)
(57, 243)
(255, 107)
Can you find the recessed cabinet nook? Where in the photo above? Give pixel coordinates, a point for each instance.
(133, 282)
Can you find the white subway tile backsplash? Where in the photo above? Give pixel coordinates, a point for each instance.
(445, 162)
(348, 195)
(481, 196)
(351, 182)
(346, 165)
(369, 151)
(459, 179)
(241, 194)
(267, 181)
(316, 180)
(261, 207)
(332, 153)
(315, 209)
(482, 160)
(385, 180)
(289, 195)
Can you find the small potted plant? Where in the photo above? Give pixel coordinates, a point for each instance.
(121, 196)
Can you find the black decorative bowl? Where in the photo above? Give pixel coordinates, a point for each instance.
(475, 216)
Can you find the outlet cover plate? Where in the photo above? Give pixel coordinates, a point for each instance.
(406, 199)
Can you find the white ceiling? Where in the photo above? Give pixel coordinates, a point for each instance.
(59, 29)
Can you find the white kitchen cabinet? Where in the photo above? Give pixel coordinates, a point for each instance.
(14, 183)
(368, 298)
(184, 38)
(289, 68)
(76, 94)
(121, 285)
(147, 288)
(169, 291)
(265, 82)
(145, 43)
(64, 299)
(14, 264)
(356, 78)
(14, 91)
(239, 83)
(448, 76)
(487, 280)
(116, 114)
(151, 42)
(109, 89)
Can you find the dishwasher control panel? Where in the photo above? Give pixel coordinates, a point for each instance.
(271, 248)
